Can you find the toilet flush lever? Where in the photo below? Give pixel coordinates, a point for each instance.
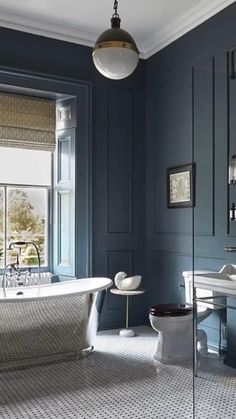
(230, 248)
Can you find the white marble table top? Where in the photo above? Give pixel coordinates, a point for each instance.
(123, 292)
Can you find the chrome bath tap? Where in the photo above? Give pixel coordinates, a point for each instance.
(12, 272)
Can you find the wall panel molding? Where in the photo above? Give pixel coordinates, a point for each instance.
(172, 148)
(190, 255)
(203, 94)
(172, 252)
(119, 200)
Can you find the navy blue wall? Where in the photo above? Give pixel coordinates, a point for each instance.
(118, 149)
(189, 117)
(187, 103)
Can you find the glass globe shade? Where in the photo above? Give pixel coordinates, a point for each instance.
(115, 62)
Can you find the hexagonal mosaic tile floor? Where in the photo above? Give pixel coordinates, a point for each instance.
(120, 380)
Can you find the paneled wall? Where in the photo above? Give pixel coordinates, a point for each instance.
(119, 210)
(190, 109)
(190, 117)
(117, 167)
(169, 231)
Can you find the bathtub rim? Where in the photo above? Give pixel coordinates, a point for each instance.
(23, 298)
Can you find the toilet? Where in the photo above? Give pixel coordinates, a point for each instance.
(174, 324)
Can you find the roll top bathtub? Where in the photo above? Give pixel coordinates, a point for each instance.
(49, 322)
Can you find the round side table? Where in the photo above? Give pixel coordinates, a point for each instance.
(127, 332)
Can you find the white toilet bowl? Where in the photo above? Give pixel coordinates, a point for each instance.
(173, 322)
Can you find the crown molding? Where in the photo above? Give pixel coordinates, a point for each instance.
(47, 28)
(194, 17)
(57, 30)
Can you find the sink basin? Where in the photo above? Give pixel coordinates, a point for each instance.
(214, 275)
(218, 276)
(223, 282)
(228, 269)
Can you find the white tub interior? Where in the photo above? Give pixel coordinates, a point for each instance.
(76, 286)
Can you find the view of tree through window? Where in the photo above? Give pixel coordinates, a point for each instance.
(24, 204)
(26, 213)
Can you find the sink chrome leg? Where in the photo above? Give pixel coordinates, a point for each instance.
(195, 354)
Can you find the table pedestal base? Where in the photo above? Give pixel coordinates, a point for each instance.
(127, 333)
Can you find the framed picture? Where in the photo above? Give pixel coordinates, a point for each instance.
(180, 186)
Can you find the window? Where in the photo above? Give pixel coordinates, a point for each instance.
(25, 192)
(37, 198)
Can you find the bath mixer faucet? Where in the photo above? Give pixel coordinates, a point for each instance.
(13, 274)
(12, 271)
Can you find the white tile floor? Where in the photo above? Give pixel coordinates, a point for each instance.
(119, 380)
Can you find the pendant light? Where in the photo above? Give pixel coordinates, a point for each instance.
(115, 54)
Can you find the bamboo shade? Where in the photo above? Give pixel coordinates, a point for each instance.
(27, 122)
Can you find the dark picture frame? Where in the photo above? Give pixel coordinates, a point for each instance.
(181, 186)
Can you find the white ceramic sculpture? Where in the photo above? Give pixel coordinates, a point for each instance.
(125, 283)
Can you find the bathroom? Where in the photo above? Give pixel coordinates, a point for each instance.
(175, 109)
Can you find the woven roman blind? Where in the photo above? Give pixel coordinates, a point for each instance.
(27, 122)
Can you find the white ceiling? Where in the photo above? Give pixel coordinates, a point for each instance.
(152, 23)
